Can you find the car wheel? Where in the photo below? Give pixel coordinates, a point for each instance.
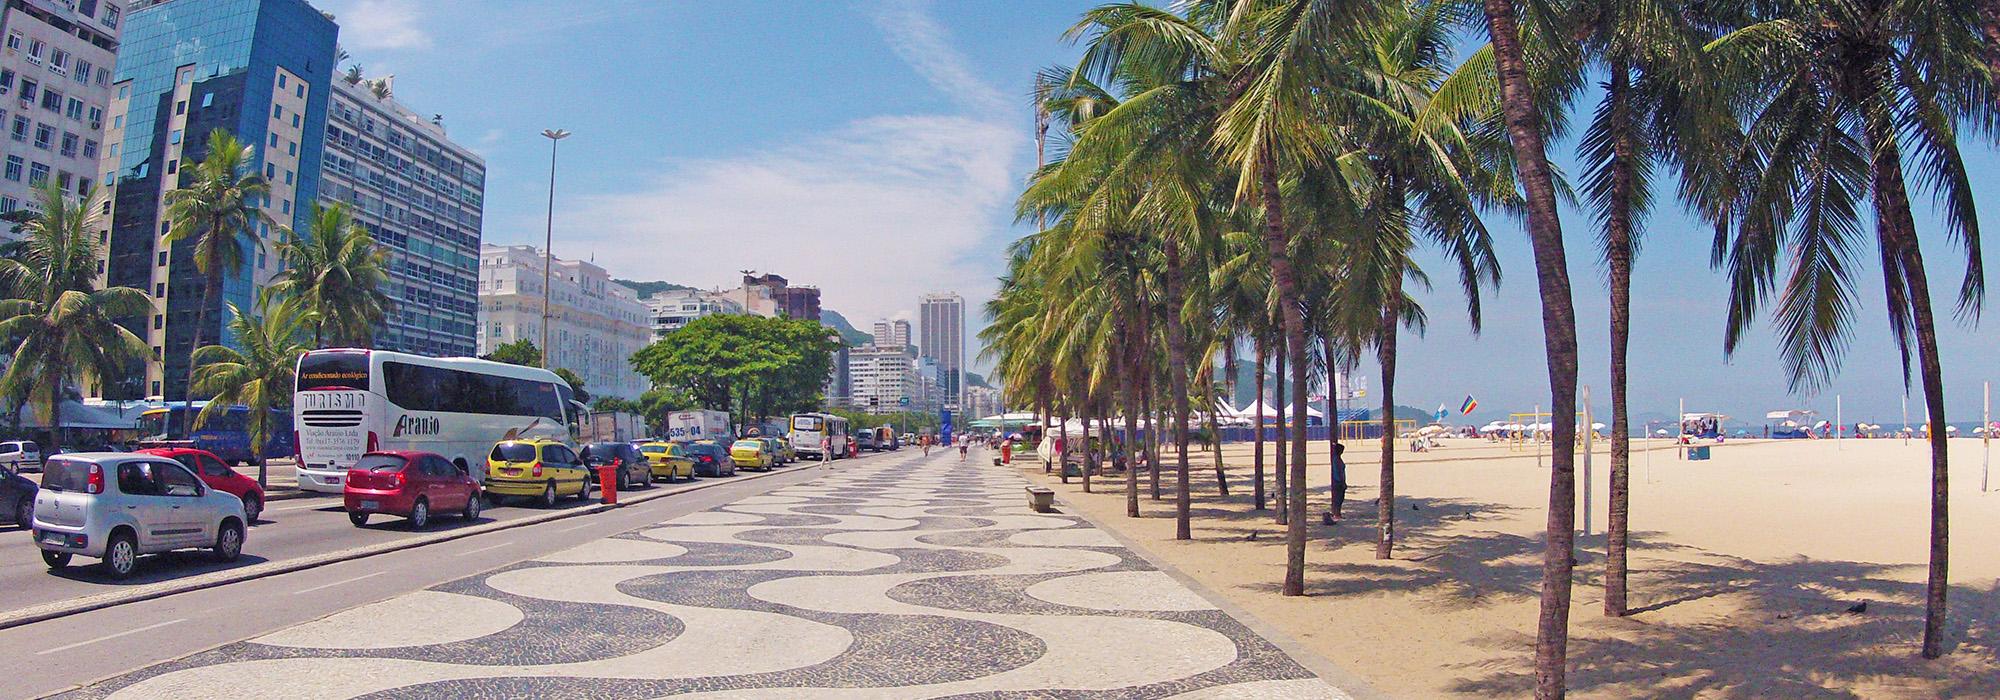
(549, 495)
(121, 556)
(420, 514)
(583, 494)
(471, 511)
(253, 508)
(229, 541)
(359, 519)
(24, 511)
(57, 561)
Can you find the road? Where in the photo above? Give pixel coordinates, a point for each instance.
(894, 576)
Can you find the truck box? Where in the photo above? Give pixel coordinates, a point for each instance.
(688, 426)
(609, 426)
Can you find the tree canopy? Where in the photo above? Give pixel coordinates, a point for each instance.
(750, 366)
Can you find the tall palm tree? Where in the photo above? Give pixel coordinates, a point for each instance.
(60, 328)
(1525, 126)
(337, 271)
(258, 377)
(1840, 95)
(216, 209)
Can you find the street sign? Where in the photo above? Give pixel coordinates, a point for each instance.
(905, 401)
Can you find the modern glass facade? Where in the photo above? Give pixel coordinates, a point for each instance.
(256, 68)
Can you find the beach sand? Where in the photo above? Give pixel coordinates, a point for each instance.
(1744, 568)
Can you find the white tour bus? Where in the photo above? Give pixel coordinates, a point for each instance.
(350, 401)
(808, 428)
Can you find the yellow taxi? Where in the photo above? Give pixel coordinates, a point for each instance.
(540, 469)
(753, 453)
(782, 450)
(669, 461)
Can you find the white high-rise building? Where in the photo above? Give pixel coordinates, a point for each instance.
(595, 327)
(895, 332)
(943, 340)
(55, 90)
(881, 377)
(674, 308)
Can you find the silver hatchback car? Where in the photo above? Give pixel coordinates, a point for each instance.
(115, 507)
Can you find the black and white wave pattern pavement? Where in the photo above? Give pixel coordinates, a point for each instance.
(890, 578)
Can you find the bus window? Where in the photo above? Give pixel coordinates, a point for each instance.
(333, 370)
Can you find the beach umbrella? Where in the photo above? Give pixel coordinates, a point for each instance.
(1661, 432)
(1596, 426)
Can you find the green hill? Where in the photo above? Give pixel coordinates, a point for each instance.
(834, 320)
(647, 289)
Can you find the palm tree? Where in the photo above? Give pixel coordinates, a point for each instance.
(1525, 128)
(258, 377)
(1839, 94)
(337, 271)
(60, 328)
(217, 210)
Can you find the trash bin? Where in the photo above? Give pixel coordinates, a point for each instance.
(607, 483)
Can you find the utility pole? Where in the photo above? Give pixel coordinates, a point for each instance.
(555, 136)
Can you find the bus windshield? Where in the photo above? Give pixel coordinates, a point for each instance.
(153, 424)
(805, 422)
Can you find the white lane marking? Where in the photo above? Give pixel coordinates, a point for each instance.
(310, 504)
(108, 637)
(576, 527)
(336, 583)
(484, 549)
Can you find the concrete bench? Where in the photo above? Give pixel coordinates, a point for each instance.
(1041, 499)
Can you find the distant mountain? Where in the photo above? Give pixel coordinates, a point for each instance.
(834, 320)
(647, 289)
(974, 379)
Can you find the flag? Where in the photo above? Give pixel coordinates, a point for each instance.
(1468, 406)
(1440, 413)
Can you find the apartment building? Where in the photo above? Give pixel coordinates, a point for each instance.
(595, 325)
(56, 72)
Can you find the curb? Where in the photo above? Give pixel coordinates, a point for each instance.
(1346, 684)
(213, 579)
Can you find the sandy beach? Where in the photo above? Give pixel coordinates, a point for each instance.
(1744, 570)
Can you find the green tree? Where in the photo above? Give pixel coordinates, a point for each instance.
(60, 328)
(1839, 96)
(520, 352)
(576, 383)
(613, 404)
(753, 367)
(216, 211)
(337, 271)
(259, 376)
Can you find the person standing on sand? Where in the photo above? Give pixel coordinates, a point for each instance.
(1339, 479)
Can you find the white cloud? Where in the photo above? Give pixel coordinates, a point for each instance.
(875, 214)
(381, 24)
(920, 41)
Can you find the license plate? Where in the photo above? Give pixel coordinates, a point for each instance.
(53, 538)
(511, 472)
(371, 505)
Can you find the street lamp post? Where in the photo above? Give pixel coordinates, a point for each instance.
(548, 254)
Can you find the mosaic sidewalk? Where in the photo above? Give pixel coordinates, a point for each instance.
(897, 577)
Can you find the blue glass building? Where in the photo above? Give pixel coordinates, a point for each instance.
(258, 69)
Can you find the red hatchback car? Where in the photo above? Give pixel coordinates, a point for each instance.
(409, 484)
(218, 476)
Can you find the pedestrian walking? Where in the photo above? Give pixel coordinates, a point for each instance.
(1339, 479)
(964, 446)
(825, 449)
(925, 441)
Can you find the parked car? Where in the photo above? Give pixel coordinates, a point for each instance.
(409, 484)
(865, 441)
(669, 460)
(21, 455)
(888, 438)
(781, 451)
(218, 476)
(17, 497)
(541, 469)
(753, 453)
(633, 468)
(710, 459)
(115, 507)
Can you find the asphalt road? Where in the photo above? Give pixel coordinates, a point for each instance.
(71, 651)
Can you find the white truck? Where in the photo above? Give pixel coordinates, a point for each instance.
(608, 426)
(689, 426)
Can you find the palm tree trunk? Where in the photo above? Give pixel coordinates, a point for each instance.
(1524, 131)
(1385, 352)
(257, 448)
(1128, 387)
(1089, 451)
(1062, 455)
(1618, 257)
(194, 344)
(53, 380)
(1277, 241)
(1989, 23)
(1898, 230)
(1177, 383)
(1257, 477)
(1153, 440)
(1338, 495)
(1283, 456)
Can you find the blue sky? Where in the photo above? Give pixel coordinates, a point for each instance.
(874, 149)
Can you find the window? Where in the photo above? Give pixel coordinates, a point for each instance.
(176, 480)
(159, 290)
(44, 135)
(277, 111)
(270, 171)
(58, 60)
(20, 128)
(159, 321)
(89, 148)
(8, 204)
(300, 90)
(83, 186)
(173, 166)
(83, 71)
(69, 142)
(175, 137)
(288, 177)
(52, 101)
(73, 109)
(118, 122)
(292, 147)
(38, 174)
(35, 47)
(96, 117)
(274, 140)
(29, 90)
(6, 81)
(295, 120)
(162, 263)
(110, 19)
(180, 107)
(14, 166)
(420, 388)
(208, 100)
(287, 206)
(14, 40)
(136, 479)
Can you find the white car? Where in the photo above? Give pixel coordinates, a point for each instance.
(115, 507)
(21, 455)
